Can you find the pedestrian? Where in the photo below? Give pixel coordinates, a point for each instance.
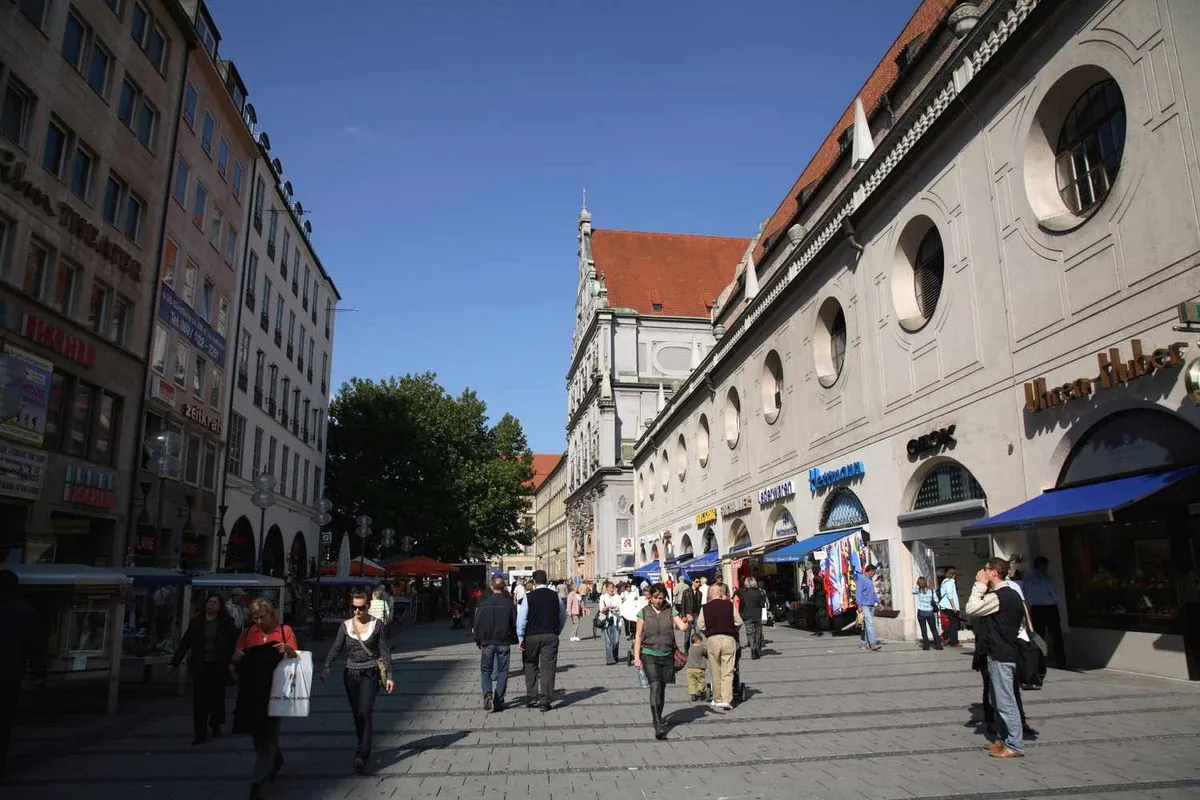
(948, 605)
(1043, 599)
(519, 592)
(654, 650)
(696, 663)
(866, 599)
(608, 619)
(926, 616)
(720, 622)
(998, 612)
(540, 621)
(752, 602)
(379, 607)
(259, 649)
(208, 644)
(24, 639)
(574, 612)
(691, 600)
(368, 668)
(495, 632)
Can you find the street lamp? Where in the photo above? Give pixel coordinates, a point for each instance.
(387, 538)
(323, 519)
(362, 532)
(166, 461)
(264, 498)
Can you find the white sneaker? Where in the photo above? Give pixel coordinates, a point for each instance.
(725, 706)
(574, 638)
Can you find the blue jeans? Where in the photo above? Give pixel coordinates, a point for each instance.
(868, 631)
(1004, 701)
(494, 659)
(612, 642)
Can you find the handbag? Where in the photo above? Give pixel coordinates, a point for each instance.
(381, 666)
(679, 658)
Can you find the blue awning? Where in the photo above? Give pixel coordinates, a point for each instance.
(152, 576)
(798, 551)
(649, 571)
(1078, 505)
(703, 563)
(741, 548)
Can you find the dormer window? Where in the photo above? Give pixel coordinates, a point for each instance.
(845, 140)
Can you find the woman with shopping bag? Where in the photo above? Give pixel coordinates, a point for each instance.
(368, 669)
(259, 650)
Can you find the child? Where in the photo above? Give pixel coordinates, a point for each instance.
(456, 615)
(695, 667)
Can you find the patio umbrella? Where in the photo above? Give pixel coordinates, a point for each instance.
(359, 567)
(419, 567)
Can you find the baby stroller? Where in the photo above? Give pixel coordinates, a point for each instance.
(739, 688)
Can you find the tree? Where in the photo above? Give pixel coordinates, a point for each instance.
(414, 458)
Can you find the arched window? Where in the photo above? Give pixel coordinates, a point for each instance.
(1090, 146)
(949, 483)
(842, 509)
(1132, 441)
(710, 540)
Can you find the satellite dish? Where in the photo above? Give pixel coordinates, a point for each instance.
(265, 141)
(277, 165)
(287, 187)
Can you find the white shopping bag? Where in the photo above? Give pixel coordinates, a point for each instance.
(291, 686)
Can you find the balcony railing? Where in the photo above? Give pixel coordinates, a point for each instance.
(295, 426)
(304, 434)
(283, 420)
(271, 409)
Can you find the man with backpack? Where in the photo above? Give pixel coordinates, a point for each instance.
(948, 605)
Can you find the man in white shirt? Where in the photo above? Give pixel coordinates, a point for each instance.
(948, 601)
(519, 592)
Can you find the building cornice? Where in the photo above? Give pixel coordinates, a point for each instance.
(980, 46)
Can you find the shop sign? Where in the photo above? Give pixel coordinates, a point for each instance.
(1113, 372)
(179, 315)
(25, 382)
(705, 517)
(774, 493)
(625, 546)
(21, 471)
(163, 391)
(785, 525)
(12, 175)
(736, 507)
(60, 341)
(819, 480)
(932, 442)
(88, 486)
(202, 418)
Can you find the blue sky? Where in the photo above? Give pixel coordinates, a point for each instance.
(442, 145)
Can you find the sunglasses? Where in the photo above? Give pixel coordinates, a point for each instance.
(359, 608)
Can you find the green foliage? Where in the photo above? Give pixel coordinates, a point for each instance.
(425, 463)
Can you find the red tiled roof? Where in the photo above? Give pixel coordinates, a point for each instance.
(543, 465)
(670, 274)
(928, 16)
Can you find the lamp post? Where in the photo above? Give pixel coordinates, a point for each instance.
(323, 519)
(387, 537)
(165, 462)
(362, 532)
(264, 498)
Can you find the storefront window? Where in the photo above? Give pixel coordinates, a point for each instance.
(89, 628)
(104, 429)
(881, 557)
(52, 436)
(1121, 577)
(81, 420)
(153, 620)
(842, 509)
(1129, 442)
(951, 483)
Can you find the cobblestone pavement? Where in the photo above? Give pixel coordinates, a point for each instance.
(823, 719)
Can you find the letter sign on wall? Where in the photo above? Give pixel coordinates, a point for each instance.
(932, 442)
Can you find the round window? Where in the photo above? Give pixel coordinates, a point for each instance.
(733, 418)
(681, 456)
(772, 386)
(666, 470)
(650, 482)
(918, 273)
(702, 440)
(829, 342)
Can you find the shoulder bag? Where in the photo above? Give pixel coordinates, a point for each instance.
(381, 666)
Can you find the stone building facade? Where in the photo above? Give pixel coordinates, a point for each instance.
(963, 319)
(551, 547)
(90, 97)
(642, 322)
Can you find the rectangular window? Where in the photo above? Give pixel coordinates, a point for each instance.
(207, 295)
(156, 49)
(54, 155)
(259, 198)
(295, 476)
(189, 283)
(206, 133)
(182, 176)
(235, 444)
(279, 315)
(266, 296)
(214, 227)
(114, 192)
(38, 266)
(291, 329)
(17, 112)
(134, 210)
(324, 370)
(100, 69)
(82, 169)
(214, 388)
(106, 421)
(116, 6)
(191, 98)
(35, 11)
(307, 279)
(158, 350)
(170, 261)
(191, 459)
(251, 278)
(305, 484)
(66, 288)
(223, 316)
(75, 38)
(283, 469)
(206, 36)
(316, 484)
(81, 420)
(271, 448)
(200, 206)
(244, 351)
(223, 156)
(311, 343)
(140, 23)
(147, 123)
(181, 364)
(127, 104)
(118, 322)
(198, 376)
(287, 246)
(208, 475)
(56, 408)
(237, 181)
(98, 307)
(256, 462)
(231, 237)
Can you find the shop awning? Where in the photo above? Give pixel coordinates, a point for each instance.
(650, 572)
(741, 548)
(1080, 505)
(800, 550)
(702, 563)
(66, 575)
(241, 580)
(156, 576)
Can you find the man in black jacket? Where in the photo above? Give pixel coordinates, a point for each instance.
(691, 600)
(999, 611)
(540, 621)
(495, 631)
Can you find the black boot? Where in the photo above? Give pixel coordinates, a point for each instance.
(660, 728)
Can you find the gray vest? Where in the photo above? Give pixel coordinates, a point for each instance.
(658, 629)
